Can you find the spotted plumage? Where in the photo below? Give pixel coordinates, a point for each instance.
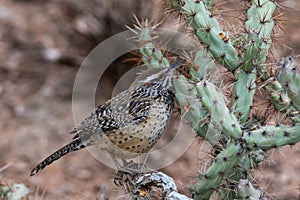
(128, 124)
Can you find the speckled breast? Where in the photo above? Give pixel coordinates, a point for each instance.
(130, 140)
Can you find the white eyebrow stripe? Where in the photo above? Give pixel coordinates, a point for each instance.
(152, 77)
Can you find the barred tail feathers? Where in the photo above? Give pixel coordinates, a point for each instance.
(73, 146)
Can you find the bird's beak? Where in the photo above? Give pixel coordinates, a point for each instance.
(176, 64)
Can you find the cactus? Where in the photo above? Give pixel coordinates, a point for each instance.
(226, 126)
(259, 25)
(248, 192)
(268, 137)
(151, 55)
(15, 192)
(284, 90)
(220, 115)
(289, 78)
(211, 179)
(207, 30)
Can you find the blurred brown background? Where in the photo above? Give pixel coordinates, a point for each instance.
(42, 46)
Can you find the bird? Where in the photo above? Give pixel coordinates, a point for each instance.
(128, 124)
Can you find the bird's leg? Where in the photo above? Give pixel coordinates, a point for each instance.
(132, 167)
(127, 171)
(120, 178)
(119, 167)
(128, 167)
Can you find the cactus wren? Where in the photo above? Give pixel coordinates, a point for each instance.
(128, 124)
